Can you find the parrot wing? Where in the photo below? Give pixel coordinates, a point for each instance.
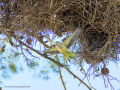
(71, 39)
(53, 50)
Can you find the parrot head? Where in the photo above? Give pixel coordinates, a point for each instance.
(61, 48)
(58, 44)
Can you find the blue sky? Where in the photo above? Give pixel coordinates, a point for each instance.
(27, 78)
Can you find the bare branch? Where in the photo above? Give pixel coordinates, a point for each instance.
(45, 56)
(9, 38)
(60, 73)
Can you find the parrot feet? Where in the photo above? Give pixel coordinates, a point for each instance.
(70, 55)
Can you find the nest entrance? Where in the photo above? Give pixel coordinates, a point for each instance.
(94, 38)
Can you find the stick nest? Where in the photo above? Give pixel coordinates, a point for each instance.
(99, 19)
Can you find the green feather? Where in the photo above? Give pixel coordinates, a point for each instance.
(63, 48)
(53, 50)
(71, 39)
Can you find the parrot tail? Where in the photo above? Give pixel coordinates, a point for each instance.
(69, 55)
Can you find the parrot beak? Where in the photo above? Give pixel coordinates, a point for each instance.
(56, 43)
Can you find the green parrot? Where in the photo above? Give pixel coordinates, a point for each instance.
(63, 47)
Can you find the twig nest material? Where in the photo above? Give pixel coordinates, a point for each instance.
(88, 61)
(21, 37)
(29, 40)
(104, 71)
(99, 21)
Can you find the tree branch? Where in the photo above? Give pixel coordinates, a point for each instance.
(9, 38)
(60, 73)
(45, 56)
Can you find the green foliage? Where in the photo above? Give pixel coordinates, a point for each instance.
(16, 54)
(2, 50)
(21, 69)
(46, 78)
(32, 65)
(2, 67)
(53, 66)
(44, 72)
(0, 82)
(12, 67)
